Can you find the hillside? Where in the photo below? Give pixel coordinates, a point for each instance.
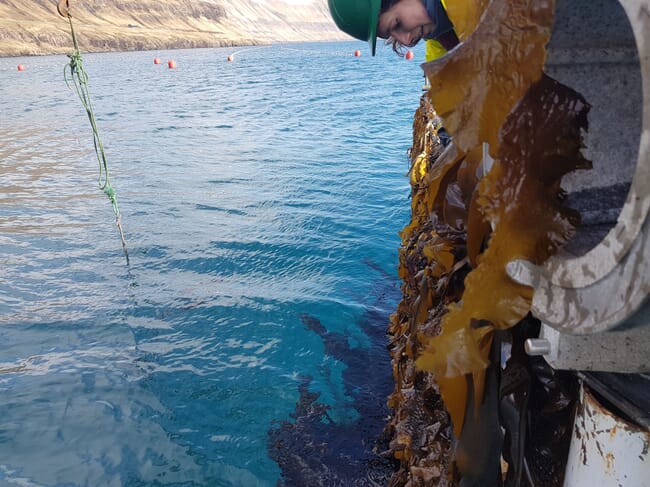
(34, 26)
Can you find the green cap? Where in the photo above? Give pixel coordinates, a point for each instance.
(358, 18)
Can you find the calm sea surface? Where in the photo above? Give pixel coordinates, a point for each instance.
(261, 201)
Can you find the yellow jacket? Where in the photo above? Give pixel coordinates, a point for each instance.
(433, 48)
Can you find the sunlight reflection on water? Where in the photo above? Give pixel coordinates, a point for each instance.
(251, 192)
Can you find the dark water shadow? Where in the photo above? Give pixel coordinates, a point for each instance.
(312, 449)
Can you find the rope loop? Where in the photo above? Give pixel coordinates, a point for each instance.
(75, 74)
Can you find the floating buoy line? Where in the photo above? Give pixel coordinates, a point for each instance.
(231, 56)
(355, 53)
(320, 53)
(171, 64)
(74, 72)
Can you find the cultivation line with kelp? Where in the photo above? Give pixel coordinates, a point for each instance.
(490, 197)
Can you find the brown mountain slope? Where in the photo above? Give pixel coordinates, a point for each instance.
(34, 27)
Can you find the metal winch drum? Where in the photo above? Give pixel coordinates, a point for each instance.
(592, 299)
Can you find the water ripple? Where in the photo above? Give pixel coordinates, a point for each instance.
(251, 193)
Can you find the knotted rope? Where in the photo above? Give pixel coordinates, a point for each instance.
(74, 72)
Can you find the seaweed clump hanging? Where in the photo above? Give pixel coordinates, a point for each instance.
(460, 409)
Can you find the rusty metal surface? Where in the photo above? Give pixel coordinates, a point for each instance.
(629, 394)
(606, 450)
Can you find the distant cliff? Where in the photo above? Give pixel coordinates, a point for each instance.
(34, 27)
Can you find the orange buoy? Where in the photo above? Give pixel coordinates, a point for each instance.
(231, 58)
(357, 53)
(21, 67)
(156, 60)
(409, 55)
(171, 64)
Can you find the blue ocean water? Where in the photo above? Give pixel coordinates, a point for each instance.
(261, 201)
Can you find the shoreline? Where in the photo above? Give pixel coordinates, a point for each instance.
(32, 28)
(64, 51)
(234, 44)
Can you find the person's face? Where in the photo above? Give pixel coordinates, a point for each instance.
(407, 22)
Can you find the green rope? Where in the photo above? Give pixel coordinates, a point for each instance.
(74, 72)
